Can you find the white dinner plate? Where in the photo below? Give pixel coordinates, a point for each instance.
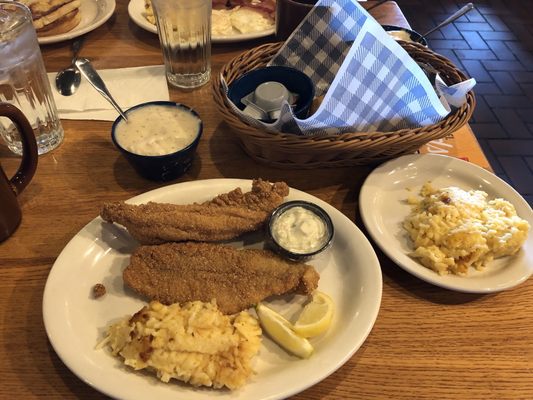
(383, 209)
(138, 15)
(93, 13)
(75, 322)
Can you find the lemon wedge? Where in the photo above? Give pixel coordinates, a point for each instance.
(316, 316)
(281, 331)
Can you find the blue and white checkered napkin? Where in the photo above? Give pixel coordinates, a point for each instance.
(369, 81)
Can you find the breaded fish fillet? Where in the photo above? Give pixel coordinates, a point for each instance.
(225, 217)
(237, 279)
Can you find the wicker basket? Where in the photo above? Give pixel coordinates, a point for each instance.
(348, 149)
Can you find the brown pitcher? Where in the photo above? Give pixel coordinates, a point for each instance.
(289, 14)
(10, 214)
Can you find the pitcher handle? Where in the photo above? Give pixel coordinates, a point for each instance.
(28, 165)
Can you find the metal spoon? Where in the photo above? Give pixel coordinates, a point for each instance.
(96, 81)
(463, 10)
(68, 80)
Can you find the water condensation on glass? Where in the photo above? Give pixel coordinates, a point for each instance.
(185, 35)
(23, 81)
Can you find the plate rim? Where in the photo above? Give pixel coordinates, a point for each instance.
(110, 9)
(141, 22)
(375, 279)
(420, 271)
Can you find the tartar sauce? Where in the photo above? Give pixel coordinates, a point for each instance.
(300, 230)
(155, 130)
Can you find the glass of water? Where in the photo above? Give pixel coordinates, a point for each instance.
(184, 28)
(23, 80)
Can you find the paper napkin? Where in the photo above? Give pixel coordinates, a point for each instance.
(128, 86)
(369, 82)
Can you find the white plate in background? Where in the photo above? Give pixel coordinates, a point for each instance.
(383, 209)
(138, 15)
(75, 322)
(94, 13)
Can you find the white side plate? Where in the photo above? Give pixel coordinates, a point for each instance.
(383, 209)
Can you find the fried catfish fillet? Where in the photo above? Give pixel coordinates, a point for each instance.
(237, 279)
(225, 217)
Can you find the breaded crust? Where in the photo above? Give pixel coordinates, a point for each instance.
(237, 279)
(225, 217)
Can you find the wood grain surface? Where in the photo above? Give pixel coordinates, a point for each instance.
(427, 343)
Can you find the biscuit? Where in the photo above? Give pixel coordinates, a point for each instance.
(62, 25)
(52, 17)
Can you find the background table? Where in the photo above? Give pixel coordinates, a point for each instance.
(427, 342)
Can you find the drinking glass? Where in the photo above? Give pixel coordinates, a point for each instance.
(184, 28)
(23, 80)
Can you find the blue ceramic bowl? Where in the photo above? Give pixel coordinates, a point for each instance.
(165, 167)
(294, 80)
(413, 35)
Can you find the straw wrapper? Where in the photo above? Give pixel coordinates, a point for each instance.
(369, 82)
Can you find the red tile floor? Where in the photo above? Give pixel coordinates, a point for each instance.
(494, 44)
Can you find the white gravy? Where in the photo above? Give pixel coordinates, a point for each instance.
(300, 230)
(401, 35)
(156, 130)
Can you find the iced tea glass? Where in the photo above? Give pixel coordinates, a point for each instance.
(23, 80)
(184, 28)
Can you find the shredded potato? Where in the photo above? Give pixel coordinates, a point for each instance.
(193, 343)
(453, 229)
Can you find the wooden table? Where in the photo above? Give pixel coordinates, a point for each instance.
(427, 342)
